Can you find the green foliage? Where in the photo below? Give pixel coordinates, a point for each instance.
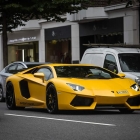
(16, 12)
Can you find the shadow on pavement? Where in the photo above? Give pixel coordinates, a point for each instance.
(82, 112)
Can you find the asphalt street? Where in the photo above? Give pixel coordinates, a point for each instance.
(37, 124)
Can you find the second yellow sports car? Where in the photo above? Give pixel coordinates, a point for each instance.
(71, 87)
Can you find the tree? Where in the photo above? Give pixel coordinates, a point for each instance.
(129, 2)
(14, 13)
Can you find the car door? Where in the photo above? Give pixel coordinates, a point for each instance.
(37, 87)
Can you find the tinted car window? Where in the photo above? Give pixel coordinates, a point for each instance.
(11, 69)
(130, 62)
(89, 72)
(110, 63)
(20, 67)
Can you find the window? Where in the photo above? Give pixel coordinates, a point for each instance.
(47, 72)
(20, 67)
(12, 69)
(110, 63)
(84, 72)
(129, 62)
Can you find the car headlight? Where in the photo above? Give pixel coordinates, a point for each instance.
(75, 87)
(135, 87)
(137, 80)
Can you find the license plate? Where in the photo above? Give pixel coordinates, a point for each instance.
(122, 92)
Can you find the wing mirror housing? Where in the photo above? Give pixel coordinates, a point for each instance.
(40, 75)
(122, 75)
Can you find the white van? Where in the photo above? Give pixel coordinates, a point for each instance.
(117, 59)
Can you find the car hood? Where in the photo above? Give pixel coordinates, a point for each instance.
(102, 84)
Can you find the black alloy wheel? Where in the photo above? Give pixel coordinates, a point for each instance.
(10, 97)
(126, 111)
(51, 99)
(1, 94)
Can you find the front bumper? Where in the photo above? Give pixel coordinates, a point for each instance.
(71, 101)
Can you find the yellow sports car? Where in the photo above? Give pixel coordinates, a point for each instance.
(71, 87)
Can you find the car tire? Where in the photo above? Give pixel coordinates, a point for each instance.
(51, 99)
(126, 111)
(10, 96)
(2, 99)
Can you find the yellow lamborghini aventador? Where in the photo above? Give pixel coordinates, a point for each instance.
(71, 87)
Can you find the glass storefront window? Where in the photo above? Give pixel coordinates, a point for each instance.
(27, 52)
(58, 51)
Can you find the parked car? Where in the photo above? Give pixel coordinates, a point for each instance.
(13, 68)
(71, 87)
(117, 58)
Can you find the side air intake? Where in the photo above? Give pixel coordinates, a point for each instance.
(24, 89)
(134, 101)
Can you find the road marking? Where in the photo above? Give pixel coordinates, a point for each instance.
(56, 119)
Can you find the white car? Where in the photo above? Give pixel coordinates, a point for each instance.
(11, 69)
(119, 59)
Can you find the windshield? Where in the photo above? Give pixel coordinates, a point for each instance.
(89, 72)
(130, 62)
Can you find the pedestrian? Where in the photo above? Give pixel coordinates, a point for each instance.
(66, 58)
(28, 58)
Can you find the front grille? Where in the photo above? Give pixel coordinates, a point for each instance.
(82, 101)
(135, 101)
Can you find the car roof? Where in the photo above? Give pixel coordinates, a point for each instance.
(26, 63)
(114, 49)
(61, 64)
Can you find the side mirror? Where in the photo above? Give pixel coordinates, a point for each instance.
(121, 75)
(40, 75)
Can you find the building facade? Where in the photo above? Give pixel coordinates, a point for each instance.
(63, 42)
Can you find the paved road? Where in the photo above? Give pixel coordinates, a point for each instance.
(37, 124)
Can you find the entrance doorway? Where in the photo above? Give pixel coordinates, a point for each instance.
(23, 52)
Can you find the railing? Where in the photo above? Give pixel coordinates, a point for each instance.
(113, 45)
